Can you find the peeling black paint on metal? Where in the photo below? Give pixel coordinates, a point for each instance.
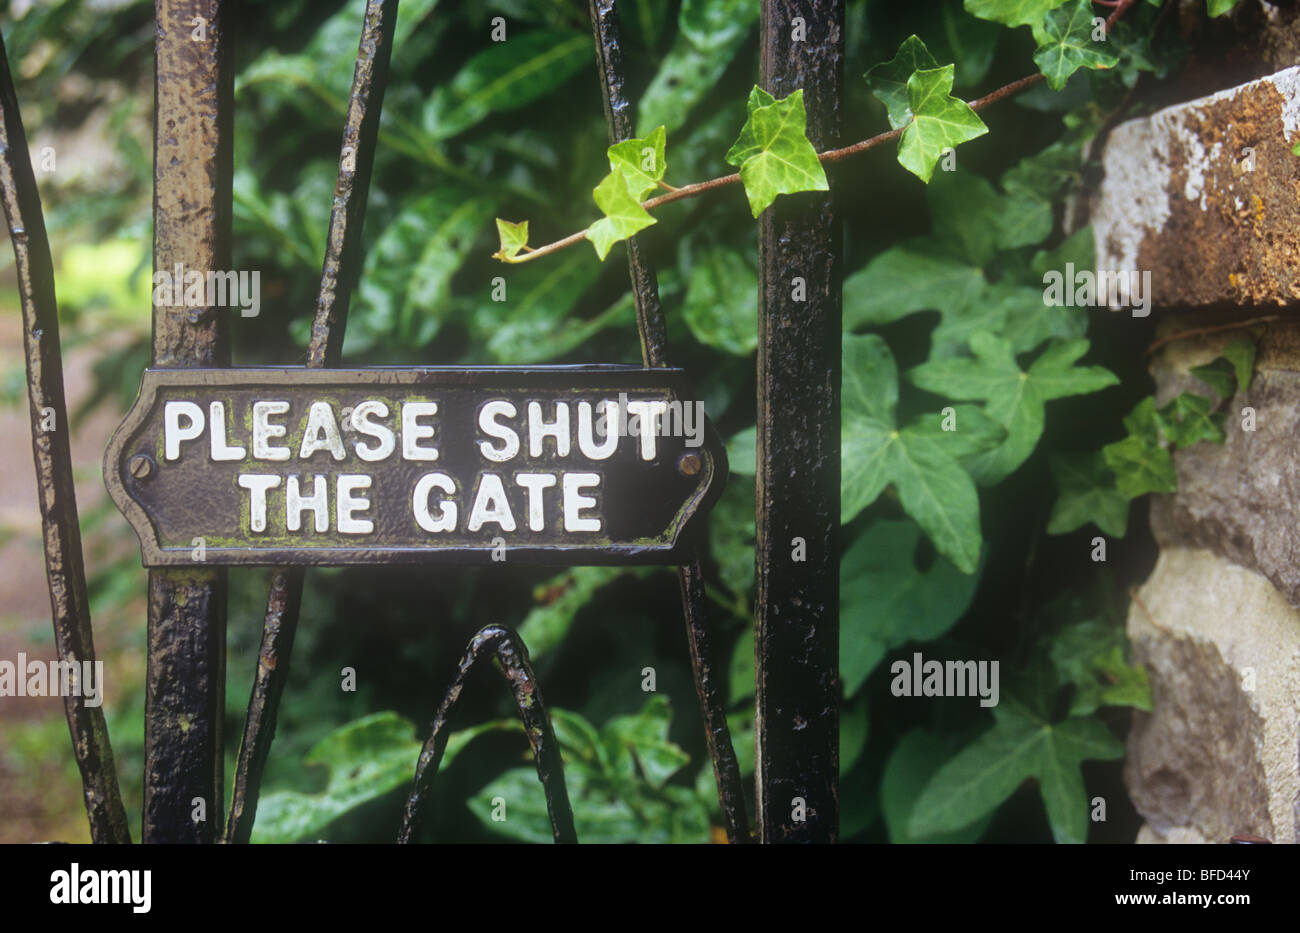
(509, 650)
(798, 479)
(184, 704)
(64, 565)
(339, 274)
(653, 333)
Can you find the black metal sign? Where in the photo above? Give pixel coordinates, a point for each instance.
(592, 464)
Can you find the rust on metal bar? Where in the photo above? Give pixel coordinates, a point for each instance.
(509, 649)
(798, 478)
(654, 352)
(338, 278)
(184, 705)
(64, 564)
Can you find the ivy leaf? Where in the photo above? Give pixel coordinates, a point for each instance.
(642, 161)
(1086, 492)
(624, 214)
(888, 80)
(1187, 419)
(1140, 467)
(913, 762)
(914, 276)
(939, 121)
(886, 602)
(1065, 44)
(773, 151)
(1143, 422)
(1218, 375)
(1241, 354)
(1020, 745)
(1090, 655)
(514, 237)
(1219, 7)
(721, 305)
(1014, 398)
(1012, 12)
(932, 486)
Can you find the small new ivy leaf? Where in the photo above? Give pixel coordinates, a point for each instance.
(888, 80)
(1086, 492)
(641, 160)
(514, 237)
(1187, 419)
(1012, 12)
(939, 121)
(624, 214)
(1219, 7)
(1065, 44)
(1140, 467)
(773, 151)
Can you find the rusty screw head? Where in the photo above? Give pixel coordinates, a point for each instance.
(689, 464)
(141, 465)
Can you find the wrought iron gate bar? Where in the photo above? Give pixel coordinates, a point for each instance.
(51, 432)
(339, 274)
(798, 488)
(513, 655)
(654, 352)
(184, 702)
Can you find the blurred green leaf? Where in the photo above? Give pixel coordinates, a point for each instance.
(721, 306)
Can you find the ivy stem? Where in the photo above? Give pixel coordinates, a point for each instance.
(831, 155)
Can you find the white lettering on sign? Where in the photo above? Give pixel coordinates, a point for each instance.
(534, 437)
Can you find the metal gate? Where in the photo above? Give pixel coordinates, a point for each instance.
(798, 466)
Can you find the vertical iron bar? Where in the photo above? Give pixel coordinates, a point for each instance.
(65, 570)
(184, 704)
(654, 352)
(339, 273)
(798, 496)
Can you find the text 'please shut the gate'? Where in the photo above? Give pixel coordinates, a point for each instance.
(604, 464)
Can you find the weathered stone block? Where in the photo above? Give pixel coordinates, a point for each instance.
(1220, 753)
(1206, 196)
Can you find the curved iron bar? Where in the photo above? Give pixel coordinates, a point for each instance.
(338, 279)
(654, 339)
(513, 655)
(64, 564)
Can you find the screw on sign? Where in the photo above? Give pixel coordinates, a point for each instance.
(603, 464)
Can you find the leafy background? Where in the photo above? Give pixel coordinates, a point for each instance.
(968, 544)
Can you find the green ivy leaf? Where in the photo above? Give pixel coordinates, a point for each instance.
(624, 214)
(932, 486)
(888, 80)
(1188, 419)
(886, 602)
(641, 160)
(1020, 745)
(1016, 399)
(1065, 44)
(514, 237)
(1086, 492)
(1140, 467)
(1090, 655)
(913, 762)
(1219, 375)
(773, 151)
(1219, 7)
(939, 121)
(1241, 354)
(721, 306)
(1012, 12)
(914, 276)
